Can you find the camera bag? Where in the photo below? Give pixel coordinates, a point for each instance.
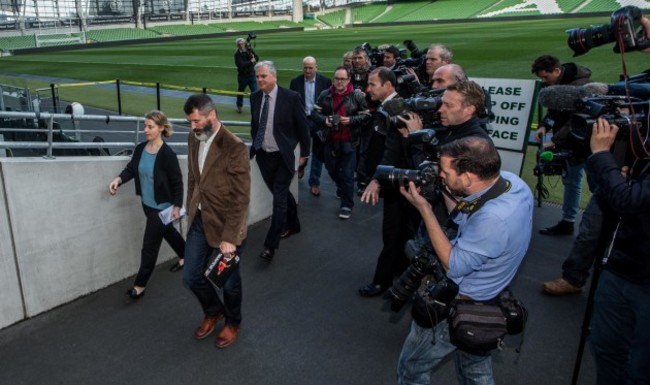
(476, 326)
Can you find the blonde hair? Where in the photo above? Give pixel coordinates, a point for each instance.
(161, 119)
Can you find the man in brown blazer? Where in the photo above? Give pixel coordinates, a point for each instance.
(218, 194)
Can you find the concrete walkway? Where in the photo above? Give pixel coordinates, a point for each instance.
(304, 322)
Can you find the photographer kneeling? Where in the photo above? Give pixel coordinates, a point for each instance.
(620, 339)
(493, 212)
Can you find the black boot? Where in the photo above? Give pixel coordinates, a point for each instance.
(562, 228)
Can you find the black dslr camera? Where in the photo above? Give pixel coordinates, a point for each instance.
(624, 29)
(335, 120)
(440, 289)
(427, 174)
(425, 103)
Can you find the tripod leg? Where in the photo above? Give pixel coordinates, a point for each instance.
(604, 245)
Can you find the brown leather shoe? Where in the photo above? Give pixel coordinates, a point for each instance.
(207, 326)
(227, 336)
(561, 286)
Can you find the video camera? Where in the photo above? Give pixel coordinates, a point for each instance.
(630, 114)
(251, 36)
(624, 29)
(440, 289)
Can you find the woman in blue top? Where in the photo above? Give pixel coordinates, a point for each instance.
(159, 183)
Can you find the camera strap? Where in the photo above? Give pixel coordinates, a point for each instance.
(471, 207)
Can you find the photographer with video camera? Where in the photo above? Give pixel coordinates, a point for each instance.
(493, 210)
(620, 339)
(339, 114)
(551, 72)
(245, 59)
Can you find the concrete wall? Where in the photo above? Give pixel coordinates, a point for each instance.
(62, 235)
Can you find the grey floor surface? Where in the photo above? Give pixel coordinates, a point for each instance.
(304, 322)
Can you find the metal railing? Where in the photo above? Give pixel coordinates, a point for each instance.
(118, 122)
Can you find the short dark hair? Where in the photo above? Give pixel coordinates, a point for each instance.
(546, 63)
(344, 68)
(201, 102)
(384, 75)
(473, 154)
(394, 51)
(473, 94)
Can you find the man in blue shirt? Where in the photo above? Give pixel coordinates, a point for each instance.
(482, 258)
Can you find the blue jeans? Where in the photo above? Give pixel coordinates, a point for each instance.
(340, 161)
(197, 254)
(620, 337)
(242, 83)
(315, 170)
(572, 182)
(419, 358)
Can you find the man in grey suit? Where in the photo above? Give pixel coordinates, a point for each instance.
(309, 85)
(278, 124)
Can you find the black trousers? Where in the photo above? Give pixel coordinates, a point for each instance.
(277, 178)
(154, 233)
(399, 224)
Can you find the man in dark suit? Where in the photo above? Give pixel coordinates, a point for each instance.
(278, 124)
(309, 85)
(218, 194)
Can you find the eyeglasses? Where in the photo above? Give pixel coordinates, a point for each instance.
(341, 79)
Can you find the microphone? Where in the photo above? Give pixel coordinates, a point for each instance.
(564, 97)
(548, 156)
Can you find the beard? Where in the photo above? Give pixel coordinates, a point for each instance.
(203, 134)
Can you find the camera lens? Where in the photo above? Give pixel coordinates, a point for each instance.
(581, 40)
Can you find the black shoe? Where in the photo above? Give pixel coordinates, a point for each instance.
(562, 228)
(239, 109)
(176, 267)
(267, 254)
(371, 290)
(134, 294)
(288, 233)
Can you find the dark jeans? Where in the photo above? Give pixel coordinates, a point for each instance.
(154, 233)
(243, 82)
(315, 167)
(399, 224)
(277, 178)
(587, 246)
(340, 161)
(620, 338)
(197, 255)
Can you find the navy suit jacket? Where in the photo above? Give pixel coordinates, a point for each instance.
(321, 83)
(290, 124)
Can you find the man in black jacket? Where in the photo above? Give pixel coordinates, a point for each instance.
(551, 72)
(278, 125)
(339, 114)
(400, 219)
(245, 59)
(620, 338)
(309, 85)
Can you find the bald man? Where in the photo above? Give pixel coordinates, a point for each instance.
(309, 85)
